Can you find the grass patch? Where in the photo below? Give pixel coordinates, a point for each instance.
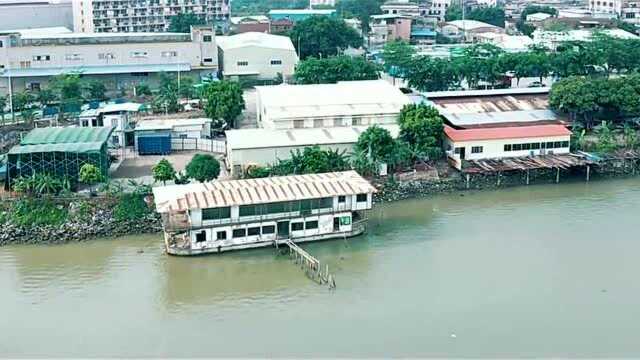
(35, 212)
(130, 207)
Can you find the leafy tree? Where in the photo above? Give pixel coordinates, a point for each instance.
(90, 175)
(630, 137)
(493, 15)
(95, 90)
(606, 140)
(397, 56)
(143, 90)
(167, 97)
(361, 9)
(182, 22)
(163, 171)
(224, 103)
(22, 100)
(68, 89)
(45, 97)
(377, 143)
(427, 73)
(203, 167)
(336, 68)
(186, 88)
(421, 128)
(577, 97)
(3, 105)
(322, 36)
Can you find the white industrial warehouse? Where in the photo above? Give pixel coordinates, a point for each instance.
(264, 147)
(347, 103)
(257, 55)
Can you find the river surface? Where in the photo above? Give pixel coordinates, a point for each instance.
(548, 270)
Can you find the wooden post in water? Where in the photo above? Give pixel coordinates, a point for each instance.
(588, 172)
(557, 175)
(527, 176)
(468, 176)
(499, 177)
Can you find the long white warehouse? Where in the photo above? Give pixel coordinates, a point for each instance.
(347, 103)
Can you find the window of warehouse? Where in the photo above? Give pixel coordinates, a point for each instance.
(216, 213)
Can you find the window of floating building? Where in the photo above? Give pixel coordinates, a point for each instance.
(309, 225)
(216, 213)
(476, 149)
(268, 229)
(285, 207)
(238, 233)
(207, 38)
(297, 226)
(201, 236)
(361, 198)
(221, 235)
(342, 199)
(253, 231)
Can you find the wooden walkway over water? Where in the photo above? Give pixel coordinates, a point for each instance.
(310, 265)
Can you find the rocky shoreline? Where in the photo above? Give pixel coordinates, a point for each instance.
(97, 222)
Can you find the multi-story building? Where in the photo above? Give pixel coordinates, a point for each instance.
(606, 6)
(389, 27)
(120, 60)
(144, 15)
(400, 7)
(631, 12)
(23, 14)
(322, 3)
(438, 9)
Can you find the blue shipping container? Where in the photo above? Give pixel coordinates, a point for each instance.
(154, 144)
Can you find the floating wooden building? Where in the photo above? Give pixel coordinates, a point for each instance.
(240, 214)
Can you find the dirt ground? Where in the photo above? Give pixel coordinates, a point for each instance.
(139, 167)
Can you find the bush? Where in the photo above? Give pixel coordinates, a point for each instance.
(163, 171)
(203, 167)
(130, 207)
(31, 212)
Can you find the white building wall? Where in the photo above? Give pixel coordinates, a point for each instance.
(311, 121)
(259, 62)
(493, 149)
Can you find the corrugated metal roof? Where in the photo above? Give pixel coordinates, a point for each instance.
(265, 138)
(96, 70)
(516, 132)
(323, 100)
(491, 104)
(174, 198)
(521, 116)
(63, 140)
(256, 39)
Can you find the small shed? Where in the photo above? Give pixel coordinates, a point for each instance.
(60, 152)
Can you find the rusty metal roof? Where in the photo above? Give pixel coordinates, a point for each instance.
(177, 198)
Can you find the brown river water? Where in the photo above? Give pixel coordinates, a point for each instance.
(548, 270)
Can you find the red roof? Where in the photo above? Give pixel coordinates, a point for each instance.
(515, 132)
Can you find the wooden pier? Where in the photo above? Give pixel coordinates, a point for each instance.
(311, 266)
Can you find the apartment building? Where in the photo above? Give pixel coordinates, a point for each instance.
(606, 6)
(24, 14)
(144, 15)
(438, 9)
(28, 58)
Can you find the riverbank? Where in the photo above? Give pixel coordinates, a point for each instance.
(59, 221)
(48, 221)
(396, 190)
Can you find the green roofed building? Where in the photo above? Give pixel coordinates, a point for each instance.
(60, 152)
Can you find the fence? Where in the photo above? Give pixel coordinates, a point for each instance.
(210, 145)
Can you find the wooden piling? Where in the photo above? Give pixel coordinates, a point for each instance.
(310, 265)
(468, 178)
(557, 175)
(527, 176)
(588, 172)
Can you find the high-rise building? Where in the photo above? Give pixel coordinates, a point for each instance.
(144, 15)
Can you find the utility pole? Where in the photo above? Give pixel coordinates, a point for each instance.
(13, 114)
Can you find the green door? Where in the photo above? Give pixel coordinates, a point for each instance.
(283, 229)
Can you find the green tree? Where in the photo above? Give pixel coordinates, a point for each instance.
(336, 68)
(163, 171)
(22, 100)
(427, 73)
(143, 90)
(377, 143)
(493, 15)
(397, 56)
(224, 103)
(90, 175)
(630, 136)
(45, 97)
(95, 90)
(182, 22)
(68, 89)
(361, 9)
(203, 167)
(186, 89)
(576, 96)
(322, 36)
(421, 128)
(606, 140)
(3, 105)
(167, 97)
